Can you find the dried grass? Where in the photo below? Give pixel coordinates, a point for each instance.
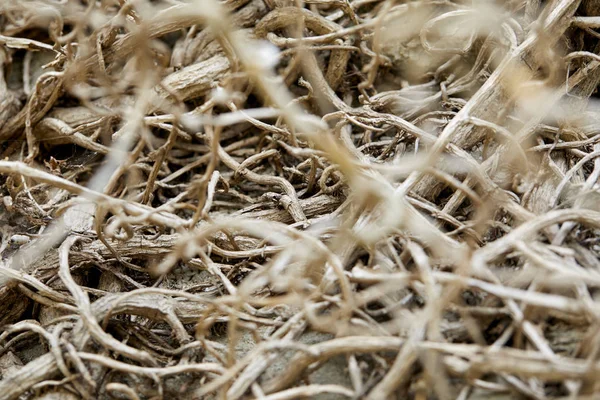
(215, 199)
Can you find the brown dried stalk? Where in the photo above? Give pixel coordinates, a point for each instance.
(278, 199)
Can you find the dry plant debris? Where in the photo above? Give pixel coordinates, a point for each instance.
(281, 199)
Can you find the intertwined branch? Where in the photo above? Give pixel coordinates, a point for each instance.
(280, 199)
